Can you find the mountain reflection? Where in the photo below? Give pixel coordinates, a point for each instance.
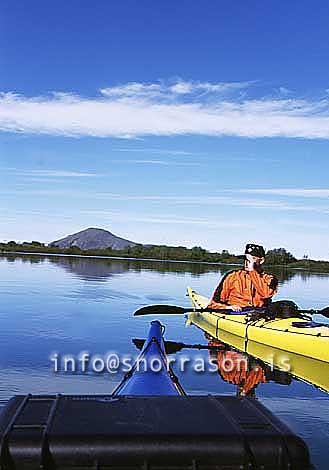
(90, 269)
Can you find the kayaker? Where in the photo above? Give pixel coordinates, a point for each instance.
(247, 287)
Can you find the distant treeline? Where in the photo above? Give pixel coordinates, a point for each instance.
(275, 257)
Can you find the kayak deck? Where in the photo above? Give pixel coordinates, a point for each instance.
(173, 433)
(303, 352)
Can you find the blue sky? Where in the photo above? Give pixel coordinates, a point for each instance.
(185, 123)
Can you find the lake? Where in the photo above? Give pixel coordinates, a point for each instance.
(66, 305)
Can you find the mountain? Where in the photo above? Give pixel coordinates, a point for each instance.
(93, 239)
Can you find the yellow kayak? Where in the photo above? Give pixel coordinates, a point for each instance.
(303, 352)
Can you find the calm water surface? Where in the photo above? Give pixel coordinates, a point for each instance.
(70, 304)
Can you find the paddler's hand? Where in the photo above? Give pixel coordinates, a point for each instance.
(216, 305)
(234, 308)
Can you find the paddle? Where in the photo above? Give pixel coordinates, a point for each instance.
(174, 310)
(324, 312)
(172, 347)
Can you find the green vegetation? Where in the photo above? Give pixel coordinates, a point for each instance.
(279, 256)
(158, 252)
(275, 257)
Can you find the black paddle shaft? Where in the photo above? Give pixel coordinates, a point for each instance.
(171, 310)
(173, 346)
(175, 310)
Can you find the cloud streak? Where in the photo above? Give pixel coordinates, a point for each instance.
(166, 219)
(53, 173)
(170, 91)
(157, 151)
(176, 200)
(289, 192)
(157, 162)
(182, 108)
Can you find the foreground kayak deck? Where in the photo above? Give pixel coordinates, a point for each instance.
(155, 433)
(303, 352)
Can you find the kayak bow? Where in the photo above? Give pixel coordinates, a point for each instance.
(151, 374)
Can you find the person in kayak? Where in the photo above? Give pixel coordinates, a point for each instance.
(247, 287)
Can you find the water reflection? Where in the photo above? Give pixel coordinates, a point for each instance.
(90, 271)
(244, 371)
(72, 304)
(100, 269)
(90, 268)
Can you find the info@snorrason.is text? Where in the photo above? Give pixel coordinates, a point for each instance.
(113, 363)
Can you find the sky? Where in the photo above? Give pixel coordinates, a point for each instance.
(191, 123)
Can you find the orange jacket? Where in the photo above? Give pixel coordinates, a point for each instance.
(235, 368)
(244, 289)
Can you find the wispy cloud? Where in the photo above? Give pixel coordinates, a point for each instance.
(186, 88)
(156, 151)
(124, 216)
(169, 91)
(14, 213)
(157, 162)
(177, 200)
(164, 109)
(184, 153)
(52, 173)
(209, 222)
(144, 162)
(290, 192)
(229, 200)
(284, 91)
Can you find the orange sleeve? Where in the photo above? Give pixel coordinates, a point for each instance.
(254, 377)
(265, 284)
(221, 294)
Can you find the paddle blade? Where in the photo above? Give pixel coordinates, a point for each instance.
(160, 310)
(324, 312)
(171, 346)
(139, 343)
